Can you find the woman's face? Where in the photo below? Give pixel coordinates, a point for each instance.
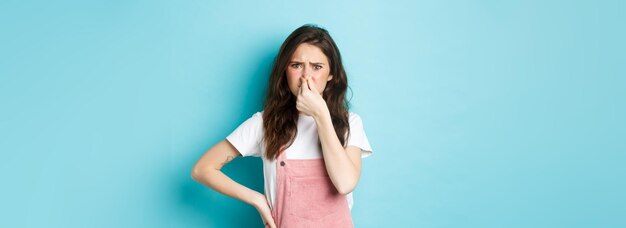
(308, 61)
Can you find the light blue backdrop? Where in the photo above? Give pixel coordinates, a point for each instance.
(480, 113)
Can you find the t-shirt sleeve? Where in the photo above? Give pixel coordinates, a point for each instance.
(357, 136)
(247, 137)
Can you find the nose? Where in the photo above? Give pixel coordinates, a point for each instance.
(306, 72)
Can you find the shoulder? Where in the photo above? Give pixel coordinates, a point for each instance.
(257, 116)
(354, 117)
(254, 121)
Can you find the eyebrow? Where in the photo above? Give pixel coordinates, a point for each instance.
(303, 62)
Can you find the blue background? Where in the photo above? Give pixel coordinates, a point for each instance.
(480, 113)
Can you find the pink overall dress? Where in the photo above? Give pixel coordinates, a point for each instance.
(306, 197)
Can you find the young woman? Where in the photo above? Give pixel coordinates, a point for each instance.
(311, 145)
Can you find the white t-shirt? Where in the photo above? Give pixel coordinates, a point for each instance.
(248, 139)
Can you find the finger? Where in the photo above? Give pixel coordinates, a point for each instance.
(312, 86)
(303, 85)
(308, 82)
(269, 221)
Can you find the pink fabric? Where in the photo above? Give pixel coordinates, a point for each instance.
(306, 197)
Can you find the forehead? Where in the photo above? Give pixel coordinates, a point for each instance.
(308, 52)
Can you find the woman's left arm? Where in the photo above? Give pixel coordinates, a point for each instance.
(343, 165)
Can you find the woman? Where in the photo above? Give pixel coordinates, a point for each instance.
(310, 144)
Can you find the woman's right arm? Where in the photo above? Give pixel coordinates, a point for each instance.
(207, 171)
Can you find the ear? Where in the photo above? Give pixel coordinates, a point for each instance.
(330, 77)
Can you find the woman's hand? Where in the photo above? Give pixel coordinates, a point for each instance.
(266, 213)
(309, 100)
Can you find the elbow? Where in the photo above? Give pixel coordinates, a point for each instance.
(346, 186)
(199, 173)
(195, 174)
(346, 189)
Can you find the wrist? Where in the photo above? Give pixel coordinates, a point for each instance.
(325, 113)
(258, 200)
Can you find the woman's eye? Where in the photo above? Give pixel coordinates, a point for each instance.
(295, 65)
(318, 67)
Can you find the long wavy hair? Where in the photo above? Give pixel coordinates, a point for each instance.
(280, 116)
